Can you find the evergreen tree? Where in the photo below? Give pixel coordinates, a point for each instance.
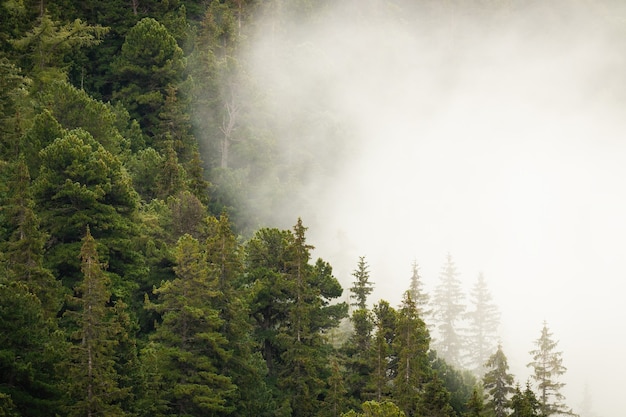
(483, 321)
(358, 352)
(525, 404)
(335, 399)
(24, 249)
(93, 383)
(361, 286)
(245, 365)
(475, 405)
(448, 311)
(498, 384)
(150, 62)
(291, 304)
(188, 344)
(383, 358)
(547, 365)
(411, 346)
(435, 401)
(31, 347)
(50, 41)
(377, 409)
(418, 295)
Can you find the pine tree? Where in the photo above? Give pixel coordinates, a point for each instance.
(435, 401)
(525, 404)
(24, 249)
(245, 365)
(448, 311)
(483, 321)
(547, 365)
(418, 295)
(411, 345)
(383, 358)
(361, 286)
(188, 343)
(475, 405)
(498, 384)
(93, 383)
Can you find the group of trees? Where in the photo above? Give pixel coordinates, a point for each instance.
(135, 279)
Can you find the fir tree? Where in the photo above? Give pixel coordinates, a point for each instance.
(448, 312)
(547, 365)
(361, 286)
(93, 383)
(411, 346)
(189, 345)
(418, 295)
(483, 321)
(525, 404)
(498, 384)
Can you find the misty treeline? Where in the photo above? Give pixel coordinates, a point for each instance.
(146, 268)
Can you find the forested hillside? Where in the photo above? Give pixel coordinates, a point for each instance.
(146, 267)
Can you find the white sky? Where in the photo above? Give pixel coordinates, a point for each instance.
(505, 151)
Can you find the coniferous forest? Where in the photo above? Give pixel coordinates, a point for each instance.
(141, 269)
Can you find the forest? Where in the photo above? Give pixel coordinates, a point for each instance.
(146, 267)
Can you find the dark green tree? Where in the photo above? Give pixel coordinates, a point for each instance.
(448, 306)
(292, 305)
(82, 183)
(245, 365)
(358, 356)
(361, 286)
(475, 405)
(525, 404)
(547, 366)
(383, 357)
(93, 382)
(31, 346)
(188, 345)
(149, 63)
(411, 345)
(498, 384)
(24, 248)
(49, 41)
(435, 401)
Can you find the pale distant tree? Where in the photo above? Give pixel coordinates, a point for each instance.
(418, 295)
(483, 321)
(547, 365)
(448, 309)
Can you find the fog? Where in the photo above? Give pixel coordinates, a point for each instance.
(495, 136)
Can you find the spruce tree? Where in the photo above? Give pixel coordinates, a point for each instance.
(93, 382)
(188, 343)
(411, 345)
(547, 366)
(525, 404)
(498, 384)
(383, 357)
(361, 286)
(483, 321)
(448, 306)
(418, 295)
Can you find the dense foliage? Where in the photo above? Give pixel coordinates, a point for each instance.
(135, 276)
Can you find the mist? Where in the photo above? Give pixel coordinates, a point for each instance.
(494, 134)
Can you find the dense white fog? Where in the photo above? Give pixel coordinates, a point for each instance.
(499, 140)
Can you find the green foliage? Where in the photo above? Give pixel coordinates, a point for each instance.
(29, 348)
(525, 404)
(93, 384)
(50, 41)
(189, 346)
(361, 286)
(376, 409)
(149, 63)
(498, 384)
